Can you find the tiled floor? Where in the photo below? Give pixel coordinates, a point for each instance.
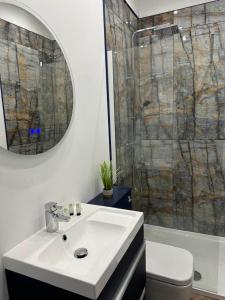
(198, 297)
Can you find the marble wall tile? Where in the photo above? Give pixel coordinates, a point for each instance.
(156, 88)
(197, 15)
(120, 26)
(199, 297)
(175, 95)
(184, 17)
(154, 182)
(195, 174)
(180, 184)
(190, 88)
(199, 184)
(183, 85)
(124, 157)
(13, 33)
(123, 98)
(215, 11)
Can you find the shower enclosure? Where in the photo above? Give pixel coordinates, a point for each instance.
(169, 107)
(179, 129)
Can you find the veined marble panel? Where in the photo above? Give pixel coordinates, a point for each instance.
(176, 96)
(203, 14)
(182, 85)
(188, 192)
(180, 184)
(120, 26)
(200, 297)
(156, 88)
(13, 33)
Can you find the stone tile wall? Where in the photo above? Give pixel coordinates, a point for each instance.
(180, 121)
(170, 114)
(199, 297)
(120, 26)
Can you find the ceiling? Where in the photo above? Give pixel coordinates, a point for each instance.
(144, 8)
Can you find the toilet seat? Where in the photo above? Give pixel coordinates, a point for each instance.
(169, 264)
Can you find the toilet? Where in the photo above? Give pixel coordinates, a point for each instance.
(169, 272)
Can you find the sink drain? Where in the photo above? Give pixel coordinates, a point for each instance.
(81, 253)
(197, 276)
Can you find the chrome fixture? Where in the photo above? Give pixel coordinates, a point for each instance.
(166, 28)
(81, 253)
(173, 27)
(53, 215)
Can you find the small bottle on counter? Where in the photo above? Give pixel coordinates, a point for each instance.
(66, 210)
(71, 209)
(78, 208)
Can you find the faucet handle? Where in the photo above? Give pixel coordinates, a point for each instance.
(51, 206)
(59, 207)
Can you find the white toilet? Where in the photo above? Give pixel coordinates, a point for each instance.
(169, 272)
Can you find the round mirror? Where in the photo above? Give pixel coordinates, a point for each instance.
(35, 84)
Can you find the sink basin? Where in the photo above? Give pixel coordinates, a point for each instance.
(97, 238)
(117, 217)
(106, 233)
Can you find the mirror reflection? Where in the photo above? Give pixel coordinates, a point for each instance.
(36, 95)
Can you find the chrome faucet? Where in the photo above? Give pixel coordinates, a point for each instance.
(53, 215)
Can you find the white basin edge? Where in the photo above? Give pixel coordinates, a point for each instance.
(22, 259)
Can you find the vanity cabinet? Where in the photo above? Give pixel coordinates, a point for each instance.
(121, 198)
(126, 283)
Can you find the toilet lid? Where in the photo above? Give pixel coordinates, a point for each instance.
(169, 264)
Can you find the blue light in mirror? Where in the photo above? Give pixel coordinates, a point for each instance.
(33, 131)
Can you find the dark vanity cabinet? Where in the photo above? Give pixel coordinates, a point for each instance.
(126, 283)
(121, 198)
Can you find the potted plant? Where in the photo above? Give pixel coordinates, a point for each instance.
(107, 179)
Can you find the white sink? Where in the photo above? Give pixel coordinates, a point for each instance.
(98, 234)
(105, 232)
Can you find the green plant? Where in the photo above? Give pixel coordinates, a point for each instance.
(107, 175)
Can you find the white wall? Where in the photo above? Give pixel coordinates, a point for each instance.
(154, 7)
(71, 169)
(22, 18)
